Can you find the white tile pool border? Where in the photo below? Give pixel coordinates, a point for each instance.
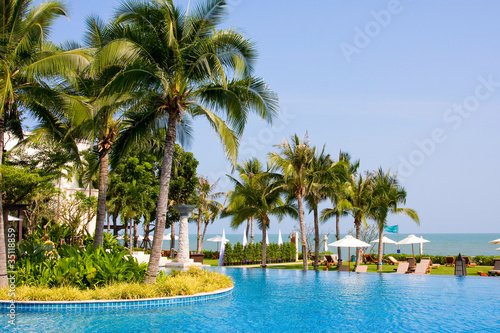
(92, 305)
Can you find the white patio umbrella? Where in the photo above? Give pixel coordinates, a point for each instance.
(325, 245)
(169, 237)
(496, 241)
(280, 240)
(245, 240)
(267, 239)
(412, 239)
(13, 218)
(120, 237)
(222, 247)
(498, 248)
(385, 240)
(349, 241)
(218, 239)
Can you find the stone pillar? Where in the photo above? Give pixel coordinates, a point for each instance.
(183, 247)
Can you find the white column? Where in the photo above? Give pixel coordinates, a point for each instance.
(183, 247)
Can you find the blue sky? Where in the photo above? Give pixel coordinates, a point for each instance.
(410, 86)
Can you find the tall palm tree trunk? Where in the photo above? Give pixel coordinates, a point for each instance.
(248, 227)
(251, 230)
(380, 248)
(101, 199)
(316, 239)
(337, 231)
(161, 208)
(198, 236)
(264, 245)
(203, 236)
(172, 240)
(302, 232)
(357, 223)
(3, 249)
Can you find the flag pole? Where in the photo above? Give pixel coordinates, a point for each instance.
(398, 237)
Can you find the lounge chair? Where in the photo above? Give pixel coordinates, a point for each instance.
(468, 262)
(330, 260)
(369, 259)
(450, 261)
(426, 262)
(422, 268)
(344, 268)
(361, 269)
(412, 263)
(482, 273)
(496, 269)
(391, 260)
(402, 268)
(430, 262)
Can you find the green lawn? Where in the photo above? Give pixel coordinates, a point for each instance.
(372, 268)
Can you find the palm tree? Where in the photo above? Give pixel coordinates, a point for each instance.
(26, 60)
(294, 161)
(358, 201)
(209, 218)
(338, 193)
(247, 170)
(321, 176)
(185, 67)
(206, 204)
(258, 198)
(387, 195)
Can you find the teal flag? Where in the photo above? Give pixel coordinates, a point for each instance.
(392, 228)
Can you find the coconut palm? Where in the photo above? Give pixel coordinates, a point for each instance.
(358, 201)
(322, 175)
(26, 60)
(206, 204)
(259, 198)
(294, 161)
(209, 218)
(338, 194)
(247, 170)
(387, 195)
(186, 67)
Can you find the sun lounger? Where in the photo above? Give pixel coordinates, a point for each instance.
(391, 260)
(412, 262)
(496, 269)
(361, 269)
(482, 273)
(468, 262)
(427, 263)
(344, 268)
(330, 260)
(430, 263)
(402, 267)
(450, 261)
(422, 268)
(369, 259)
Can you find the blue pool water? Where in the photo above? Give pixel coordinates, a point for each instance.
(293, 301)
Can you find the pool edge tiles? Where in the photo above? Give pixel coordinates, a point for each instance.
(92, 305)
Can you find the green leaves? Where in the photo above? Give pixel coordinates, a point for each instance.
(86, 268)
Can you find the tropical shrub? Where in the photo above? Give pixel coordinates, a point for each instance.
(43, 265)
(228, 254)
(238, 252)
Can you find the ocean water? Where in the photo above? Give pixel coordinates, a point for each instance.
(440, 244)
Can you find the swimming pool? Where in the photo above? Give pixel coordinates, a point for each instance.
(293, 301)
